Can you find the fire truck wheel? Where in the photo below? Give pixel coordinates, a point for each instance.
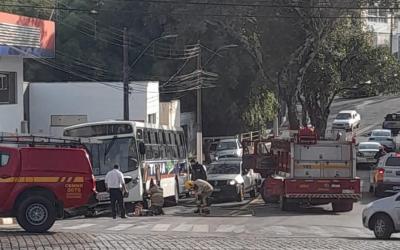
(240, 194)
(36, 214)
(344, 206)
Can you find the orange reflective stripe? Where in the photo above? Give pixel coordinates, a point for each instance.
(42, 179)
(79, 179)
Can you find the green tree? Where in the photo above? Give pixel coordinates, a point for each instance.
(262, 109)
(347, 59)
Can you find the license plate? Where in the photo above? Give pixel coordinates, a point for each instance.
(396, 188)
(217, 189)
(103, 196)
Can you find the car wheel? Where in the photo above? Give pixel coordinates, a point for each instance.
(36, 214)
(240, 194)
(382, 226)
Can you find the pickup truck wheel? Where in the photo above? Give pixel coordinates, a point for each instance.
(382, 226)
(343, 206)
(36, 214)
(240, 194)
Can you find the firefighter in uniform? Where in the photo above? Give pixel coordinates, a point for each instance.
(203, 191)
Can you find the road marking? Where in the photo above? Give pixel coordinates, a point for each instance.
(79, 226)
(161, 227)
(183, 228)
(200, 228)
(320, 231)
(358, 232)
(279, 230)
(120, 227)
(230, 228)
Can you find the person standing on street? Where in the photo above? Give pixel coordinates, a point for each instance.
(379, 154)
(115, 185)
(198, 171)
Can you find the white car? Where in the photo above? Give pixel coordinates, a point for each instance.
(347, 120)
(383, 216)
(231, 181)
(229, 148)
(366, 152)
(384, 137)
(386, 177)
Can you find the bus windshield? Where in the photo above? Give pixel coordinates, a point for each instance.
(121, 151)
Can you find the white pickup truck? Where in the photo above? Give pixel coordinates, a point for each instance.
(347, 120)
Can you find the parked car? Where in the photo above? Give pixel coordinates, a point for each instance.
(383, 216)
(347, 120)
(229, 148)
(384, 137)
(366, 152)
(386, 176)
(392, 122)
(231, 181)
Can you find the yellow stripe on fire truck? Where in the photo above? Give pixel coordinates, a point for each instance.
(42, 179)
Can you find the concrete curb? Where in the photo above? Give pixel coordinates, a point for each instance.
(7, 221)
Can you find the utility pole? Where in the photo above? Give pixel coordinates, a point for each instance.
(125, 76)
(199, 112)
(391, 31)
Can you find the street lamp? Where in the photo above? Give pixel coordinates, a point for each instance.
(128, 68)
(199, 99)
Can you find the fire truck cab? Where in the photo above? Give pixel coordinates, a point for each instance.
(313, 171)
(38, 182)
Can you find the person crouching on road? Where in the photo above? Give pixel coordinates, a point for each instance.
(157, 198)
(198, 171)
(203, 191)
(115, 185)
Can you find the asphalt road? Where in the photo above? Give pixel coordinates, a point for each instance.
(249, 225)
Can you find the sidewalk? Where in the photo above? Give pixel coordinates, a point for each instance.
(7, 221)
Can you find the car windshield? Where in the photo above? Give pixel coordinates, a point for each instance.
(224, 168)
(121, 151)
(343, 116)
(368, 146)
(392, 117)
(381, 133)
(393, 162)
(226, 145)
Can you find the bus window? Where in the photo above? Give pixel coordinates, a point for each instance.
(163, 152)
(169, 139)
(156, 152)
(156, 137)
(99, 130)
(164, 137)
(181, 138)
(174, 152)
(177, 142)
(147, 138)
(149, 152)
(153, 136)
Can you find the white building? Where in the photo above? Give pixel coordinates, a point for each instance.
(20, 37)
(380, 22)
(53, 106)
(170, 113)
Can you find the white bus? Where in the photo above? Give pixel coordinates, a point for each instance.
(143, 152)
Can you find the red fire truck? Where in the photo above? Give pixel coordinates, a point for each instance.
(313, 171)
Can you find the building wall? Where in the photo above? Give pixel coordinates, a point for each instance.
(170, 113)
(11, 115)
(153, 100)
(188, 123)
(78, 102)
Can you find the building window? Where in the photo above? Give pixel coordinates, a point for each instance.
(151, 118)
(378, 15)
(8, 88)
